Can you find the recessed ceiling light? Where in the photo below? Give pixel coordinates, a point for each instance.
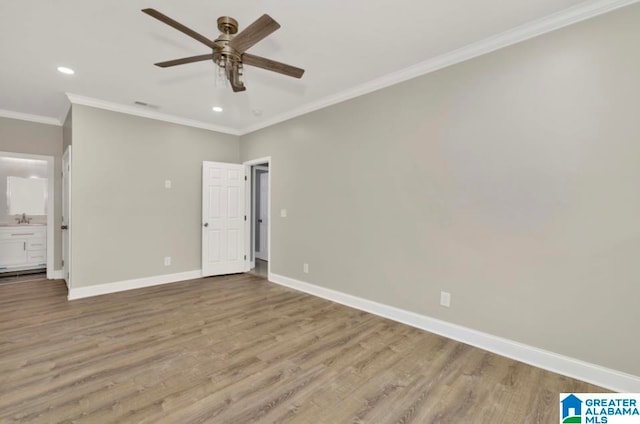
(256, 112)
(65, 70)
(217, 109)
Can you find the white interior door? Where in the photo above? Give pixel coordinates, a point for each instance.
(66, 211)
(223, 216)
(263, 217)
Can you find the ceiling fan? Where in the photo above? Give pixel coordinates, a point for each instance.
(229, 50)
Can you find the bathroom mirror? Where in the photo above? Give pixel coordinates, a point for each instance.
(26, 195)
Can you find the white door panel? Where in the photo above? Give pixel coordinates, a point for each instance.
(223, 218)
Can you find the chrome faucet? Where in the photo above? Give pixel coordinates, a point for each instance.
(23, 219)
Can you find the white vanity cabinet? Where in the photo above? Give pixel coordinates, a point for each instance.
(23, 247)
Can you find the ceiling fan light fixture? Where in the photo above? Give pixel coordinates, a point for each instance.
(65, 70)
(229, 50)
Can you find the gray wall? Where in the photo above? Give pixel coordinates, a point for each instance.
(510, 180)
(124, 222)
(19, 136)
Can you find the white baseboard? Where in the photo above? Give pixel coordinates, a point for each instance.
(58, 274)
(575, 368)
(89, 291)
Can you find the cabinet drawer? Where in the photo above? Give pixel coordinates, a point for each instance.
(36, 244)
(37, 257)
(22, 233)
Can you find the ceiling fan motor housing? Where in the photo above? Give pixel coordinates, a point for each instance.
(223, 49)
(226, 56)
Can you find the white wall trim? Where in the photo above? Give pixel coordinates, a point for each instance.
(99, 289)
(29, 117)
(145, 113)
(58, 274)
(581, 370)
(570, 16)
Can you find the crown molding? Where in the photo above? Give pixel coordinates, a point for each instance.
(28, 117)
(581, 12)
(131, 110)
(513, 36)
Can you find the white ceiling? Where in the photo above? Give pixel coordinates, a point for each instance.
(342, 44)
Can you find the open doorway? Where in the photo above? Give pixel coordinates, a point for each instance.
(259, 216)
(66, 216)
(26, 216)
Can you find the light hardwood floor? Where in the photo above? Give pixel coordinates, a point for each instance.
(239, 349)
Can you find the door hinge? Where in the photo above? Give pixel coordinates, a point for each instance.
(245, 178)
(63, 262)
(245, 257)
(245, 217)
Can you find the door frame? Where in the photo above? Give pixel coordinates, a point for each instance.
(51, 195)
(254, 212)
(249, 193)
(66, 156)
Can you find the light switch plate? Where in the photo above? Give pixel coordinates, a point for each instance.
(283, 213)
(167, 260)
(167, 184)
(445, 299)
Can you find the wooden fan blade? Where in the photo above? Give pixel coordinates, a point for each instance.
(177, 25)
(184, 60)
(272, 65)
(262, 27)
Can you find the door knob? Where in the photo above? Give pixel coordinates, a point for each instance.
(206, 224)
(64, 227)
(260, 221)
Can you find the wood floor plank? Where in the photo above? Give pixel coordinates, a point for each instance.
(238, 349)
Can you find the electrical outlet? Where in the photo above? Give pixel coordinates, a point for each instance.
(167, 260)
(445, 299)
(283, 213)
(305, 268)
